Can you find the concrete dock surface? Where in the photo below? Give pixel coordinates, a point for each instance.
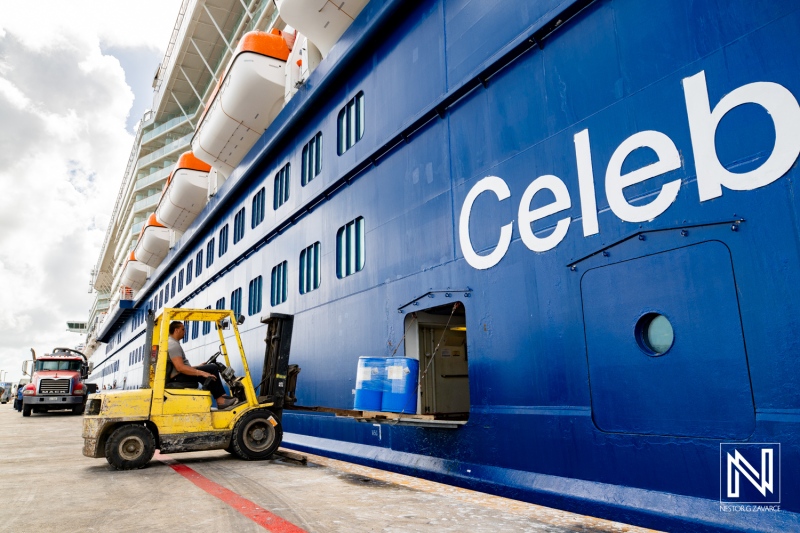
(51, 486)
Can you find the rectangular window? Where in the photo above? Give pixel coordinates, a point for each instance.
(236, 301)
(174, 286)
(180, 280)
(195, 329)
(350, 255)
(223, 240)
(210, 253)
(185, 331)
(350, 124)
(166, 293)
(312, 159)
(238, 226)
(257, 214)
(161, 299)
(207, 325)
(281, 193)
(254, 296)
(198, 264)
(310, 272)
(189, 271)
(220, 305)
(278, 289)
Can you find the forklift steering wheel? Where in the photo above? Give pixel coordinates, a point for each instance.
(213, 358)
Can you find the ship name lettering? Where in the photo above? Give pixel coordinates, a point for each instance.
(712, 176)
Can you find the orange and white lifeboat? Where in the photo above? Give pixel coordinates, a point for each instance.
(186, 193)
(322, 21)
(134, 274)
(247, 99)
(153, 243)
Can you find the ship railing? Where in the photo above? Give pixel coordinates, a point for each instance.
(159, 175)
(168, 125)
(144, 203)
(174, 146)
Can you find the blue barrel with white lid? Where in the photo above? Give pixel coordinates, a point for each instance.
(400, 394)
(370, 378)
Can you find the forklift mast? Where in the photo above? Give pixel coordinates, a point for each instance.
(278, 377)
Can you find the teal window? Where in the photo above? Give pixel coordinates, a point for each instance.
(207, 325)
(350, 124)
(312, 159)
(210, 253)
(350, 253)
(281, 192)
(310, 272)
(189, 271)
(278, 290)
(238, 226)
(254, 296)
(198, 263)
(236, 301)
(223, 240)
(257, 213)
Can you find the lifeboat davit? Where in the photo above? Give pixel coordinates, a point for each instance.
(322, 21)
(153, 243)
(186, 193)
(134, 274)
(302, 61)
(248, 98)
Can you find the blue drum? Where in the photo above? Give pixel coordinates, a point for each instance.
(400, 394)
(370, 383)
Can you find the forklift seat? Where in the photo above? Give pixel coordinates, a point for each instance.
(177, 384)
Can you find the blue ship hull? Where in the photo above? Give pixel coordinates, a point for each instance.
(562, 169)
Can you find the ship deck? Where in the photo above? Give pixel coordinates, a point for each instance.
(51, 486)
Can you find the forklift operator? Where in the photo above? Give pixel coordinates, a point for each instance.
(184, 373)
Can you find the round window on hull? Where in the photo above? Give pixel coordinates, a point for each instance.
(654, 334)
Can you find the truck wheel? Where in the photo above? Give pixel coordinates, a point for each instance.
(26, 410)
(257, 435)
(130, 447)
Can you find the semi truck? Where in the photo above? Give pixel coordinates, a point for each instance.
(58, 382)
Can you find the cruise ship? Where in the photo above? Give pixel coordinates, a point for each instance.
(575, 220)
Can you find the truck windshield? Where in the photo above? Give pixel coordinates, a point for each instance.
(58, 365)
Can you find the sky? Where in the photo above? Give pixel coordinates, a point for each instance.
(75, 77)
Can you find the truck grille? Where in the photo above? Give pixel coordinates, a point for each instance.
(54, 386)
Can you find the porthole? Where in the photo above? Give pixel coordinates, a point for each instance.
(654, 334)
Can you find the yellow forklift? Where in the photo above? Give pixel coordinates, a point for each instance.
(127, 426)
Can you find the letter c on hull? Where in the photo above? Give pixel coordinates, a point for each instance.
(482, 262)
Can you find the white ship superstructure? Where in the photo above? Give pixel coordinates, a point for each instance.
(203, 40)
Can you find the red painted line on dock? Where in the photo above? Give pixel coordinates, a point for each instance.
(262, 517)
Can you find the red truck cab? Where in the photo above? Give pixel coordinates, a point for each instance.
(58, 382)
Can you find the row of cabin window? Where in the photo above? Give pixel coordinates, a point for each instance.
(136, 356)
(350, 259)
(350, 130)
(110, 369)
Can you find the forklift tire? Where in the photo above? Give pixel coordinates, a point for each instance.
(257, 435)
(26, 410)
(130, 447)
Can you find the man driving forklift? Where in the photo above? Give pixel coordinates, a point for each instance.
(182, 372)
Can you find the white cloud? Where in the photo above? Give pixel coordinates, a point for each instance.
(63, 151)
